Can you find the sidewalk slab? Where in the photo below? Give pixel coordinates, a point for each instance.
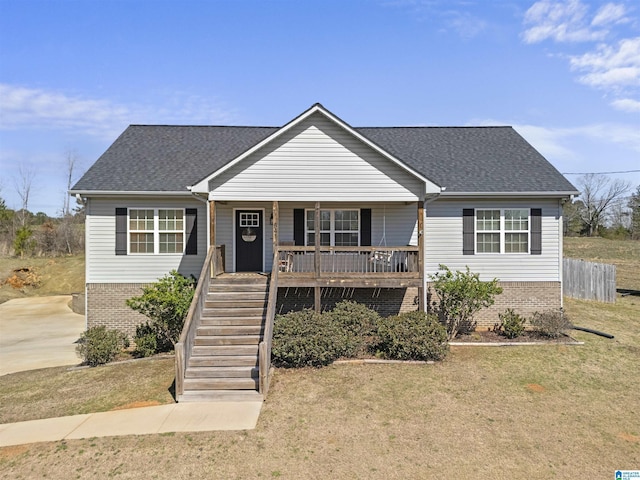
(203, 417)
(177, 417)
(33, 431)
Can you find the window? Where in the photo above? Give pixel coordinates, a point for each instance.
(502, 231)
(337, 227)
(154, 231)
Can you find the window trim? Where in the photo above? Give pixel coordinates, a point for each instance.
(156, 231)
(332, 230)
(503, 231)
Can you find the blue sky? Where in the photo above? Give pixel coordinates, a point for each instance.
(74, 74)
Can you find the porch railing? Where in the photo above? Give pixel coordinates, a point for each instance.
(211, 268)
(349, 260)
(264, 349)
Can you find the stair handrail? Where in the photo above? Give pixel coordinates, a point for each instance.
(185, 343)
(264, 349)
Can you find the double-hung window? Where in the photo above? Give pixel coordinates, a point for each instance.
(502, 230)
(337, 228)
(153, 231)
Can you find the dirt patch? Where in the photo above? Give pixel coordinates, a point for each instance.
(628, 437)
(7, 453)
(20, 278)
(151, 403)
(534, 387)
(480, 336)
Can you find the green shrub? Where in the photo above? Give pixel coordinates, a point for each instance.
(166, 304)
(412, 336)
(460, 296)
(146, 341)
(511, 324)
(307, 339)
(98, 345)
(551, 323)
(358, 323)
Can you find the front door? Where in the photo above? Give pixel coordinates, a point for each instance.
(249, 243)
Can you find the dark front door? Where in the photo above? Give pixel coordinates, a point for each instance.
(249, 233)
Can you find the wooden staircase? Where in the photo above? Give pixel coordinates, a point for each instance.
(223, 364)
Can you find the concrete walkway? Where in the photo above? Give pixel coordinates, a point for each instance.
(38, 332)
(177, 417)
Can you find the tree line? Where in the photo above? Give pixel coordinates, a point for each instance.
(605, 207)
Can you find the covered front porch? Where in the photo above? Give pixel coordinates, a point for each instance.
(281, 238)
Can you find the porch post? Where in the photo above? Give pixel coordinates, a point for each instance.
(275, 216)
(212, 225)
(317, 291)
(421, 288)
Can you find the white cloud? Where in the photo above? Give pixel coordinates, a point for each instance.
(31, 108)
(610, 13)
(610, 66)
(560, 21)
(626, 105)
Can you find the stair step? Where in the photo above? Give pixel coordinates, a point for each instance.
(234, 304)
(222, 350)
(207, 330)
(221, 383)
(222, 372)
(224, 320)
(226, 311)
(214, 340)
(220, 396)
(240, 281)
(235, 296)
(223, 361)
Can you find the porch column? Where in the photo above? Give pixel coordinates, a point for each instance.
(317, 291)
(212, 225)
(275, 220)
(421, 288)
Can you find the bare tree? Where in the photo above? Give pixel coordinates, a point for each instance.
(23, 183)
(599, 194)
(71, 159)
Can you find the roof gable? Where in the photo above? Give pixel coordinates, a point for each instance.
(203, 185)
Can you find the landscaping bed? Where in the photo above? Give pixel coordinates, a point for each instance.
(528, 336)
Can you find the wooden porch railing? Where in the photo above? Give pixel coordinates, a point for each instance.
(367, 261)
(213, 266)
(264, 349)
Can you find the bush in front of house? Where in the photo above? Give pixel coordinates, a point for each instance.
(99, 345)
(551, 323)
(359, 324)
(460, 296)
(511, 324)
(411, 336)
(166, 304)
(306, 339)
(146, 340)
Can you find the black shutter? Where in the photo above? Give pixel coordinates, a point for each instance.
(536, 231)
(121, 231)
(468, 231)
(365, 227)
(191, 224)
(298, 226)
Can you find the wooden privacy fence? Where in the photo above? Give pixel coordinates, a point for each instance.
(589, 281)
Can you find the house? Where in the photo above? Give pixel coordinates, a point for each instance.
(323, 211)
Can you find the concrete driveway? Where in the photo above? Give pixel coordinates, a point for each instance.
(38, 332)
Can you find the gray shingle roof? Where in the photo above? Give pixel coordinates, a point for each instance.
(462, 159)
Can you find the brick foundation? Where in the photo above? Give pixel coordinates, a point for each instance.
(106, 306)
(524, 298)
(385, 301)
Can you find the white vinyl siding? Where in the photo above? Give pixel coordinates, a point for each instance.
(316, 161)
(443, 241)
(104, 266)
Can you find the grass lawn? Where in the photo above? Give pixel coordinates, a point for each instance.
(510, 412)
